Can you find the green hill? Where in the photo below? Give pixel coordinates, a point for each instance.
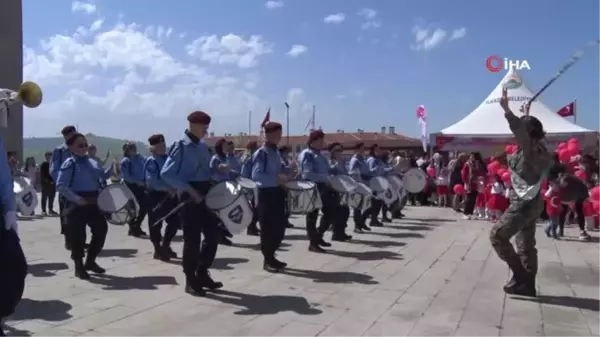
(36, 147)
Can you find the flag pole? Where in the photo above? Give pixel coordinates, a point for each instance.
(287, 123)
(575, 111)
(314, 116)
(249, 122)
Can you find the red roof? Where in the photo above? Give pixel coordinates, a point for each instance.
(389, 141)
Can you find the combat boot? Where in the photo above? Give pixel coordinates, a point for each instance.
(522, 282)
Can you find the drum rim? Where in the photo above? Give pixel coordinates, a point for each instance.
(229, 204)
(313, 185)
(110, 187)
(345, 176)
(379, 178)
(242, 180)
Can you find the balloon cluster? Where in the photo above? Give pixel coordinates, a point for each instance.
(566, 151)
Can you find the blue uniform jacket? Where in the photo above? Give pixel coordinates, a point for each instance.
(7, 196)
(188, 161)
(267, 164)
(377, 167)
(132, 169)
(152, 168)
(59, 155)
(314, 166)
(80, 174)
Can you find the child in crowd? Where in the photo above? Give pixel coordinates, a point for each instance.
(497, 202)
(442, 182)
(553, 209)
(480, 201)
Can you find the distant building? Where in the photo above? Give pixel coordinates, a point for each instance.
(387, 139)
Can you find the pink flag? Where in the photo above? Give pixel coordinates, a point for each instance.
(421, 113)
(422, 117)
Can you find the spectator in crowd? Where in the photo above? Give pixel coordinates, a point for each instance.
(48, 186)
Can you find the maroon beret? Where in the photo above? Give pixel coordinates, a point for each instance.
(251, 145)
(156, 139)
(315, 135)
(68, 129)
(272, 127)
(199, 117)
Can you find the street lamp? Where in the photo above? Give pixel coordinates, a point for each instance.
(287, 122)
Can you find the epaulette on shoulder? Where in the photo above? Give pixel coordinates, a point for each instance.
(67, 164)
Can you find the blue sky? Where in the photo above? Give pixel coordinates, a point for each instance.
(108, 67)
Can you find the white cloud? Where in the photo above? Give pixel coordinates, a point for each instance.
(297, 50)
(427, 38)
(335, 18)
(298, 101)
(274, 4)
(96, 25)
(83, 7)
(458, 33)
(370, 17)
(229, 49)
(122, 82)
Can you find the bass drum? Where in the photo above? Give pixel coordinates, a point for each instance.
(25, 195)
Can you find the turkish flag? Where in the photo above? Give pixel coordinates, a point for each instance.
(567, 110)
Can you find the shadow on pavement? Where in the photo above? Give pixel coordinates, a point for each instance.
(124, 253)
(51, 310)
(223, 263)
(46, 269)
(565, 301)
(379, 244)
(264, 305)
(397, 235)
(112, 282)
(338, 277)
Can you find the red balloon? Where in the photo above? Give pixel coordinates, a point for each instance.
(596, 207)
(595, 194)
(506, 177)
(561, 146)
(510, 149)
(581, 175)
(493, 167)
(501, 171)
(588, 208)
(431, 172)
(564, 156)
(573, 148)
(458, 189)
(573, 140)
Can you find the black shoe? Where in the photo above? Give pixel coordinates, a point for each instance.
(94, 268)
(272, 266)
(386, 219)
(341, 237)
(80, 271)
(252, 231)
(375, 223)
(365, 228)
(67, 245)
(206, 281)
(316, 249)
(136, 232)
(162, 254)
(52, 212)
(86, 246)
(225, 241)
(521, 283)
(324, 243)
(289, 225)
(169, 252)
(194, 289)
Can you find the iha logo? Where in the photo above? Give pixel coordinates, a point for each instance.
(495, 63)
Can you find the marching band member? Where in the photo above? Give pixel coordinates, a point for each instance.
(220, 168)
(270, 175)
(59, 155)
(80, 181)
(315, 167)
(235, 165)
(12, 259)
(187, 169)
(132, 173)
(284, 152)
(359, 170)
(376, 169)
(342, 212)
(161, 200)
(246, 172)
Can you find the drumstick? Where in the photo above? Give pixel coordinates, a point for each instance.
(173, 211)
(576, 57)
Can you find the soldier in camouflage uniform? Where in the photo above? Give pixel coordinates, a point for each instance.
(529, 166)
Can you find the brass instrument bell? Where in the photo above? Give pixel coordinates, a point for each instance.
(29, 93)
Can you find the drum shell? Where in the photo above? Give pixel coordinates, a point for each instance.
(415, 180)
(25, 195)
(232, 207)
(304, 201)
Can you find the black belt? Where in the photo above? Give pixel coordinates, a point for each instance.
(201, 186)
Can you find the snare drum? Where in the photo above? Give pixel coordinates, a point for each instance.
(360, 198)
(303, 197)
(25, 195)
(118, 204)
(379, 184)
(414, 180)
(230, 205)
(248, 189)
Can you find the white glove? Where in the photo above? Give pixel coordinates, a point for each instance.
(10, 219)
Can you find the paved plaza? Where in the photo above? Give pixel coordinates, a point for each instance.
(429, 274)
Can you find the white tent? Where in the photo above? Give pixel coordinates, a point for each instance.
(487, 123)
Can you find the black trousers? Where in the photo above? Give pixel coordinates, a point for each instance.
(342, 213)
(273, 219)
(140, 195)
(357, 217)
(64, 222)
(78, 217)
(470, 202)
(373, 211)
(48, 194)
(330, 200)
(14, 270)
(578, 213)
(160, 204)
(197, 221)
